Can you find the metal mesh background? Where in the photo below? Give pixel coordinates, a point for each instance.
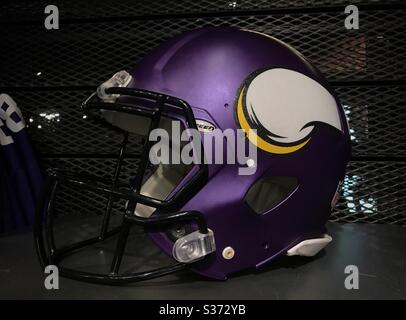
(49, 73)
(88, 53)
(33, 10)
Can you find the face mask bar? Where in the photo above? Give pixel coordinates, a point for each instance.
(44, 227)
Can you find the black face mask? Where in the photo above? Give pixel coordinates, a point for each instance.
(47, 251)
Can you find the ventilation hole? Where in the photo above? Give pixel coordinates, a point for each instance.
(268, 192)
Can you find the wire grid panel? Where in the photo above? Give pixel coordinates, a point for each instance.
(83, 54)
(34, 10)
(373, 192)
(377, 117)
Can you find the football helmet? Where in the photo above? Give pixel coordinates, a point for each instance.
(208, 216)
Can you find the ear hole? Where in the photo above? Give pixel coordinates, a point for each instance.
(266, 193)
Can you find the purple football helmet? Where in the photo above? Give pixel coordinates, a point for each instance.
(208, 217)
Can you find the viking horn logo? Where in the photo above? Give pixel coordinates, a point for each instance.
(283, 106)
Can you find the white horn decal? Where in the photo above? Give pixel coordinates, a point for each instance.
(284, 106)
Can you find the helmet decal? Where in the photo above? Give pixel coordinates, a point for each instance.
(284, 106)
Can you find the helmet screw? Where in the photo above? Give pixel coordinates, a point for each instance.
(228, 253)
(250, 163)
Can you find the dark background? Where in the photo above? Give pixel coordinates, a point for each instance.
(50, 72)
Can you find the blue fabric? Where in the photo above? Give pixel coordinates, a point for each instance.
(20, 176)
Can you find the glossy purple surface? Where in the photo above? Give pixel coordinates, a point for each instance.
(206, 67)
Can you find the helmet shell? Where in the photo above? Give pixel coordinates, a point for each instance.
(206, 68)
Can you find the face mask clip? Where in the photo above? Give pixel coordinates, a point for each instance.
(119, 80)
(194, 246)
